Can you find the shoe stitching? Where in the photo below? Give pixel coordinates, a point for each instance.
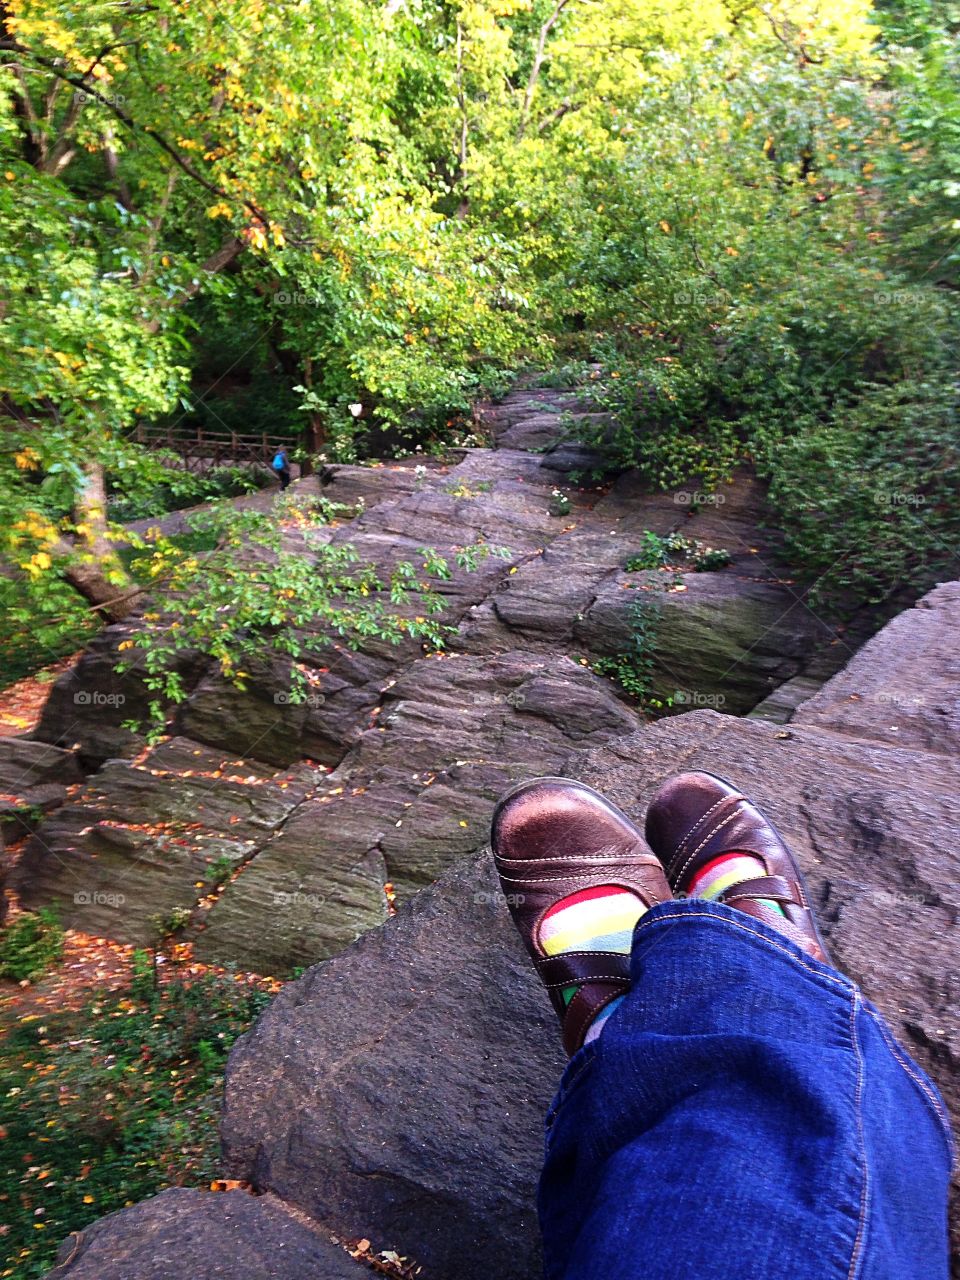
(705, 841)
(556, 879)
(578, 953)
(585, 982)
(703, 817)
(856, 1255)
(651, 858)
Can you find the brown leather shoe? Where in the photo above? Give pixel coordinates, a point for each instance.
(552, 837)
(696, 817)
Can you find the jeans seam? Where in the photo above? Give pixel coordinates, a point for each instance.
(567, 1086)
(929, 1097)
(837, 981)
(856, 1256)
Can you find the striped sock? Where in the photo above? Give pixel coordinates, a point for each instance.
(598, 919)
(724, 872)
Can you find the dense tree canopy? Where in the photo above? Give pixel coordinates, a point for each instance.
(744, 212)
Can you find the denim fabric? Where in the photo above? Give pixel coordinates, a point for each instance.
(744, 1115)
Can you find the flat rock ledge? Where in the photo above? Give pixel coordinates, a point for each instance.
(396, 1091)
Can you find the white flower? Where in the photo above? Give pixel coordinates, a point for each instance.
(355, 409)
(420, 472)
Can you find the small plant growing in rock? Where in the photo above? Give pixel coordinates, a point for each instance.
(170, 922)
(559, 503)
(659, 551)
(632, 668)
(220, 870)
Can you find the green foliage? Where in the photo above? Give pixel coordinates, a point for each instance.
(658, 551)
(352, 221)
(38, 627)
(870, 500)
(633, 667)
(181, 489)
(273, 584)
(109, 1104)
(30, 945)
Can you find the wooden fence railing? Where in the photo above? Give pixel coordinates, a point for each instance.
(200, 449)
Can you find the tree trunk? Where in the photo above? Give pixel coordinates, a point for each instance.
(93, 567)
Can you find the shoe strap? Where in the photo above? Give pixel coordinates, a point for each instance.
(571, 968)
(771, 888)
(582, 1010)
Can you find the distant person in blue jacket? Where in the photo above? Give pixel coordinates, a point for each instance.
(281, 465)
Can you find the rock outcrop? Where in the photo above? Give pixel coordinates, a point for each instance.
(185, 1235)
(396, 1091)
(277, 825)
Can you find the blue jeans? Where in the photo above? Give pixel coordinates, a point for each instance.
(745, 1114)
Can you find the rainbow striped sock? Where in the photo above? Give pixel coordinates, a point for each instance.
(724, 872)
(598, 919)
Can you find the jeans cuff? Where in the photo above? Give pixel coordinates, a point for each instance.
(742, 930)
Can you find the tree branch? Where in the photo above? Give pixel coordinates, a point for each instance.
(538, 61)
(127, 120)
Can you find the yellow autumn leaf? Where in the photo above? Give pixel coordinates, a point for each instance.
(664, 226)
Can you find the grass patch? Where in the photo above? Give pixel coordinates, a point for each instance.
(109, 1104)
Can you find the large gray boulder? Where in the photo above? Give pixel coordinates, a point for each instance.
(432, 1142)
(903, 686)
(185, 1235)
(398, 1090)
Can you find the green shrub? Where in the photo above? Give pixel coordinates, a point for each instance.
(660, 551)
(632, 668)
(108, 1104)
(30, 945)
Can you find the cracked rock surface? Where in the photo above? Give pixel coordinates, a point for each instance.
(388, 774)
(396, 1091)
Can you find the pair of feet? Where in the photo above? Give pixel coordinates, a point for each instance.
(578, 875)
